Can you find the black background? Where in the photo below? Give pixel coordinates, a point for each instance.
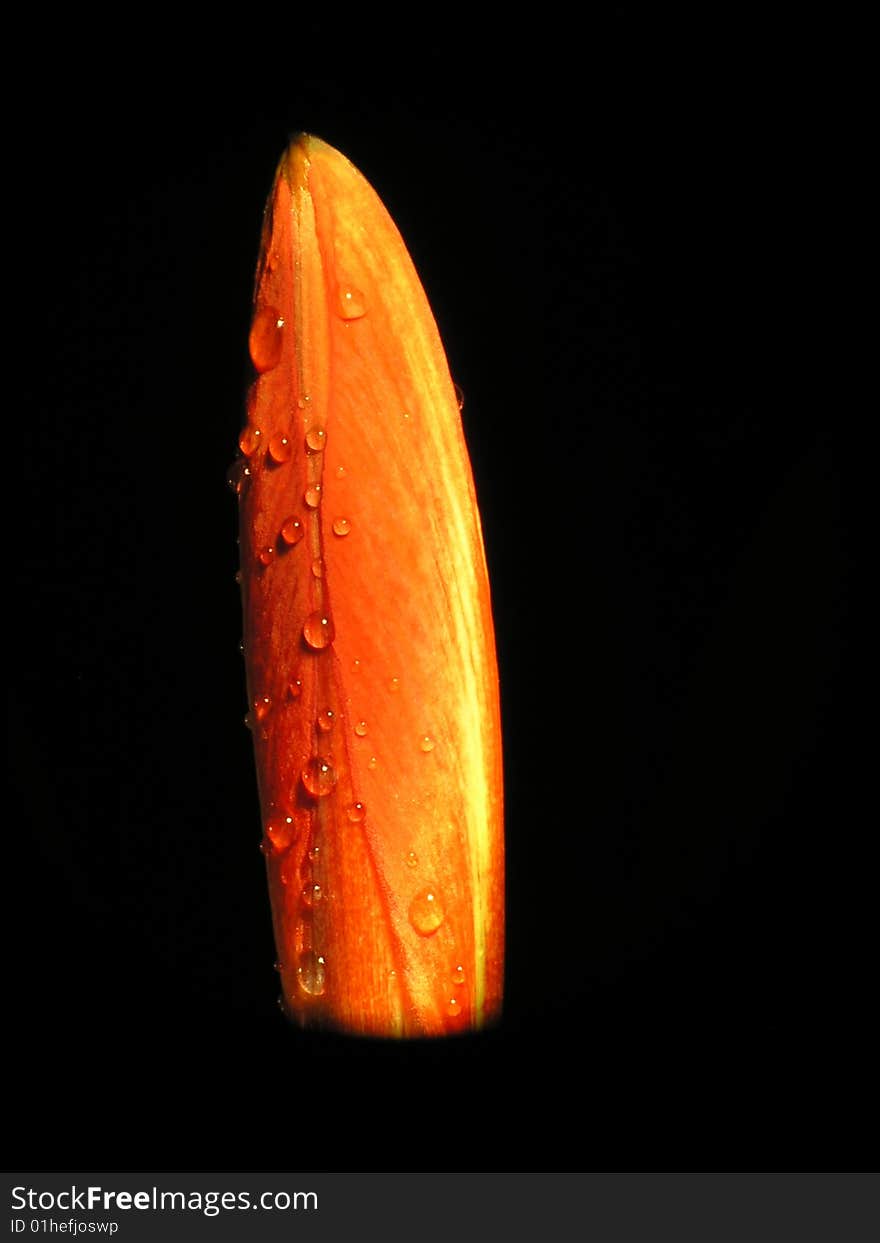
(613, 242)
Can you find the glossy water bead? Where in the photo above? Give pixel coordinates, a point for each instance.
(311, 973)
(312, 894)
(280, 448)
(319, 777)
(266, 339)
(318, 631)
(280, 831)
(352, 304)
(292, 531)
(249, 440)
(426, 912)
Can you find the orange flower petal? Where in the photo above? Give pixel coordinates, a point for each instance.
(368, 629)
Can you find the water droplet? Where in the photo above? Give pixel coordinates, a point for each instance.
(292, 531)
(356, 812)
(426, 743)
(303, 401)
(352, 304)
(318, 631)
(241, 646)
(315, 853)
(280, 831)
(266, 555)
(311, 973)
(412, 859)
(262, 707)
(340, 472)
(294, 688)
(312, 496)
(264, 848)
(312, 894)
(425, 912)
(459, 395)
(360, 729)
(355, 666)
(325, 721)
(237, 576)
(238, 476)
(248, 721)
(458, 975)
(249, 440)
(341, 526)
(266, 339)
(394, 684)
(373, 762)
(279, 966)
(318, 777)
(318, 568)
(316, 438)
(280, 448)
(453, 1007)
